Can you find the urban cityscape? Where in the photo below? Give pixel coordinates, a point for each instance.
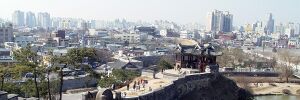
(48, 57)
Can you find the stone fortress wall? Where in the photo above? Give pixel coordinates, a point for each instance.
(177, 89)
(200, 86)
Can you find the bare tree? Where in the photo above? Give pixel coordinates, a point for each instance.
(237, 56)
(225, 59)
(244, 83)
(103, 55)
(286, 69)
(249, 63)
(296, 61)
(273, 63)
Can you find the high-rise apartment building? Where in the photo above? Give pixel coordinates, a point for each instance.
(259, 27)
(227, 22)
(6, 32)
(289, 29)
(219, 21)
(297, 29)
(30, 19)
(270, 24)
(18, 18)
(215, 20)
(44, 20)
(279, 29)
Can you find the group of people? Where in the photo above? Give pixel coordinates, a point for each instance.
(137, 85)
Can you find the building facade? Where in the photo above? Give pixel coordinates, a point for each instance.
(6, 33)
(18, 18)
(30, 19)
(219, 21)
(270, 24)
(24, 40)
(44, 20)
(131, 37)
(227, 22)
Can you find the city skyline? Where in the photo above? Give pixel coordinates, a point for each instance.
(172, 10)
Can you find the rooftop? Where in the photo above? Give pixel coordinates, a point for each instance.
(187, 42)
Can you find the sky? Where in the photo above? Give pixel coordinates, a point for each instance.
(180, 11)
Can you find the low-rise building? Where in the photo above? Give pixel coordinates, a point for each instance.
(189, 35)
(113, 47)
(6, 33)
(5, 54)
(131, 37)
(293, 43)
(57, 42)
(24, 40)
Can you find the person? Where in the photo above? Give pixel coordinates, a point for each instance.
(113, 86)
(125, 94)
(90, 95)
(138, 87)
(150, 89)
(127, 87)
(134, 85)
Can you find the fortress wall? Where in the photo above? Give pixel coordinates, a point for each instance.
(177, 89)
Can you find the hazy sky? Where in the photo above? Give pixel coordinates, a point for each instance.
(181, 11)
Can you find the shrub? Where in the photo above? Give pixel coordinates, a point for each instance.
(272, 84)
(118, 77)
(286, 91)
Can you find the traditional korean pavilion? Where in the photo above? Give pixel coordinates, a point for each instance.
(191, 54)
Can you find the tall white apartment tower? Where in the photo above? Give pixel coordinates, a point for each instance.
(44, 20)
(227, 22)
(219, 21)
(18, 18)
(30, 19)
